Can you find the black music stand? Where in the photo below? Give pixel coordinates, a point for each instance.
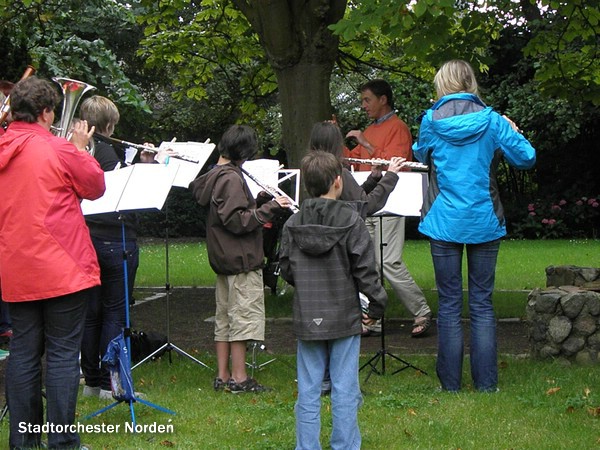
(379, 357)
(193, 157)
(168, 346)
(141, 186)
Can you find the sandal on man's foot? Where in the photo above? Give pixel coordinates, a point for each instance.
(421, 325)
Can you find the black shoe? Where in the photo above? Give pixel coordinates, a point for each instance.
(219, 384)
(248, 385)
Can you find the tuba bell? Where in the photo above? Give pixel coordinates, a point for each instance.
(72, 90)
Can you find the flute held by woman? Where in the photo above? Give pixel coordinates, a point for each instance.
(385, 162)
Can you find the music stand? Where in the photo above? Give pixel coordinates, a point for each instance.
(141, 186)
(399, 203)
(196, 154)
(383, 352)
(168, 346)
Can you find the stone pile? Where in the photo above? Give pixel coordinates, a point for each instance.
(564, 318)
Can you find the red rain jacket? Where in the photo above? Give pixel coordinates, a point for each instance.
(45, 246)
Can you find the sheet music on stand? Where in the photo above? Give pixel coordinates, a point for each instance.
(407, 197)
(197, 154)
(140, 186)
(270, 173)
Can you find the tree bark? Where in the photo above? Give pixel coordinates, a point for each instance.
(302, 52)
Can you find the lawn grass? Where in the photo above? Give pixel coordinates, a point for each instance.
(521, 268)
(521, 264)
(541, 405)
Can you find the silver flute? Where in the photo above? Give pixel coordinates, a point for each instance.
(386, 162)
(274, 191)
(147, 148)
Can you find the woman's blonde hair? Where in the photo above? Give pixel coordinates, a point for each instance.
(455, 76)
(100, 112)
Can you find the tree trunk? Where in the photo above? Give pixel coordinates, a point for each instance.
(305, 99)
(302, 51)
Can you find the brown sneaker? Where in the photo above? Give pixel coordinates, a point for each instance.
(248, 385)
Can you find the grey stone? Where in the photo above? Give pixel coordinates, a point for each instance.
(593, 341)
(538, 330)
(572, 303)
(589, 273)
(573, 345)
(559, 329)
(548, 351)
(546, 303)
(586, 358)
(584, 325)
(560, 275)
(593, 303)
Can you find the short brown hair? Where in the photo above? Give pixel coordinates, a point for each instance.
(319, 170)
(99, 112)
(31, 97)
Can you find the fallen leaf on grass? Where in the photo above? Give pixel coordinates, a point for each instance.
(570, 409)
(412, 412)
(552, 391)
(594, 411)
(587, 392)
(166, 443)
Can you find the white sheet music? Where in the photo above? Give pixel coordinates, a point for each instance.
(141, 186)
(188, 171)
(265, 170)
(407, 197)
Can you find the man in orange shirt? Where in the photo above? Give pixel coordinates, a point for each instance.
(386, 137)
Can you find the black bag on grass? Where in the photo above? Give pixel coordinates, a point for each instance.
(144, 343)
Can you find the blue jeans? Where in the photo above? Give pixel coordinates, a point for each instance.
(53, 326)
(481, 263)
(342, 357)
(105, 316)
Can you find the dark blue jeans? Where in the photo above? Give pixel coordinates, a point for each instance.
(105, 316)
(53, 326)
(481, 264)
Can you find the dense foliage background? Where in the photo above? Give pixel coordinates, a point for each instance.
(188, 69)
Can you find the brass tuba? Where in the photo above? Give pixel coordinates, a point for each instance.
(72, 90)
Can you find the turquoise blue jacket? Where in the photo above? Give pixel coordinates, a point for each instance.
(463, 141)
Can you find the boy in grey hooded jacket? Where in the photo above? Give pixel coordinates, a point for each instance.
(327, 255)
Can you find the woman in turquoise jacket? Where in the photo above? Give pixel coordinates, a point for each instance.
(463, 141)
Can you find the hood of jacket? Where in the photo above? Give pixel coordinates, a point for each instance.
(15, 141)
(321, 223)
(459, 119)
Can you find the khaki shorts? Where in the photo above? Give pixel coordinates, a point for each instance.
(240, 314)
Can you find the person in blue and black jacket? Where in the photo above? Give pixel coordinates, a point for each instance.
(463, 141)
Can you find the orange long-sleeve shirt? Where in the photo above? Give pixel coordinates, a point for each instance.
(389, 138)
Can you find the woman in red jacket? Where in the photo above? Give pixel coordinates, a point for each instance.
(47, 262)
